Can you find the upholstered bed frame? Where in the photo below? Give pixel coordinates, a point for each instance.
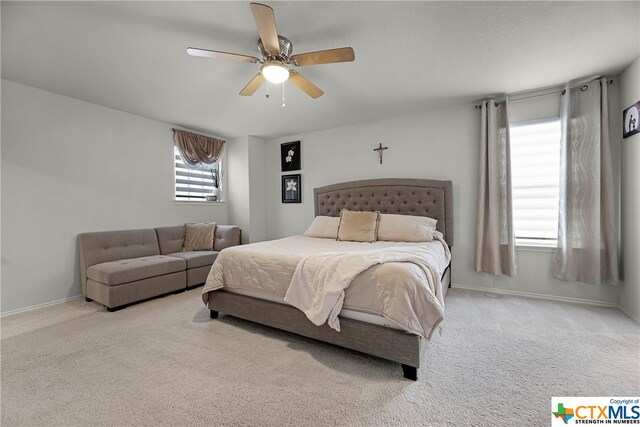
(420, 197)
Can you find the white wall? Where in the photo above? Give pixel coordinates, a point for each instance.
(257, 187)
(238, 185)
(437, 144)
(630, 199)
(68, 167)
(246, 196)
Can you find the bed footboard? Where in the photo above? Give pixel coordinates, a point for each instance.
(391, 344)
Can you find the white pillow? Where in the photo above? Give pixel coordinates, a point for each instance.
(406, 228)
(324, 226)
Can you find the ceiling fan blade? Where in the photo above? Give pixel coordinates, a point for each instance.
(304, 84)
(266, 23)
(253, 85)
(206, 53)
(343, 54)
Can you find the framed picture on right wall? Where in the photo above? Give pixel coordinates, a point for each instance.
(631, 121)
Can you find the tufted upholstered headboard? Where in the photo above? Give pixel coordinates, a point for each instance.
(404, 196)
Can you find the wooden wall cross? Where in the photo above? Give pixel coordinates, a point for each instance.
(380, 149)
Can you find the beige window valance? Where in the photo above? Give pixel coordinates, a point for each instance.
(196, 148)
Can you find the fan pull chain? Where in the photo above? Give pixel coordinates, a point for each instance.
(267, 89)
(283, 104)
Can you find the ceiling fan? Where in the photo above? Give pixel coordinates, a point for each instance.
(275, 56)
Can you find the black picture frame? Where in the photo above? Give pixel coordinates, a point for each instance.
(290, 156)
(289, 194)
(631, 120)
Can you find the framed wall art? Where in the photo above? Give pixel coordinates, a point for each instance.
(290, 156)
(631, 124)
(291, 189)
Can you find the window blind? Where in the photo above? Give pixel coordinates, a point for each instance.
(535, 178)
(192, 184)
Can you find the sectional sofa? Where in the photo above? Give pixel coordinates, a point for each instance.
(118, 268)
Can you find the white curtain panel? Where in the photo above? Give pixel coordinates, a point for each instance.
(587, 246)
(495, 242)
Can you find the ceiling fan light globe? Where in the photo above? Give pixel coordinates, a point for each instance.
(274, 72)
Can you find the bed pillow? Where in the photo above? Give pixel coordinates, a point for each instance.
(199, 236)
(406, 228)
(358, 226)
(325, 227)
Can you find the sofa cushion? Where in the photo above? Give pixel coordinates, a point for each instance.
(129, 270)
(196, 259)
(104, 246)
(170, 239)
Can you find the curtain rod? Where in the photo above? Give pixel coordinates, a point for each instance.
(557, 90)
(200, 133)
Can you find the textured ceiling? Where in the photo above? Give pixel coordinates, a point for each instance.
(410, 56)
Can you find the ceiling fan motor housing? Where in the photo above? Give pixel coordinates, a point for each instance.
(285, 50)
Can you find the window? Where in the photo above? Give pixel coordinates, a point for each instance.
(535, 175)
(196, 184)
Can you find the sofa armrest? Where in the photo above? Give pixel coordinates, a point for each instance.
(226, 236)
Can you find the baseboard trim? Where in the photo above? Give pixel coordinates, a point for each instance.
(35, 307)
(636, 318)
(537, 296)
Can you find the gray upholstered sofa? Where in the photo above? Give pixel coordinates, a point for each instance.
(121, 267)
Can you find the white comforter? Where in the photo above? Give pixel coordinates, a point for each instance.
(406, 293)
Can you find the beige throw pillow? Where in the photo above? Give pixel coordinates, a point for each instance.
(358, 226)
(325, 227)
(199, 236)
(406, 228)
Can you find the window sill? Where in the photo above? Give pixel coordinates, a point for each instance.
(528, 248)
(198, 202)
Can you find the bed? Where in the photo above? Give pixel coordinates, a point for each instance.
(245, 295)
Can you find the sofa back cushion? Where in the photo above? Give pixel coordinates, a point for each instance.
(170, 239)
(226, 236)
(105, 246)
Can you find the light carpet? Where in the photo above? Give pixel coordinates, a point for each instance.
(497, 362)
